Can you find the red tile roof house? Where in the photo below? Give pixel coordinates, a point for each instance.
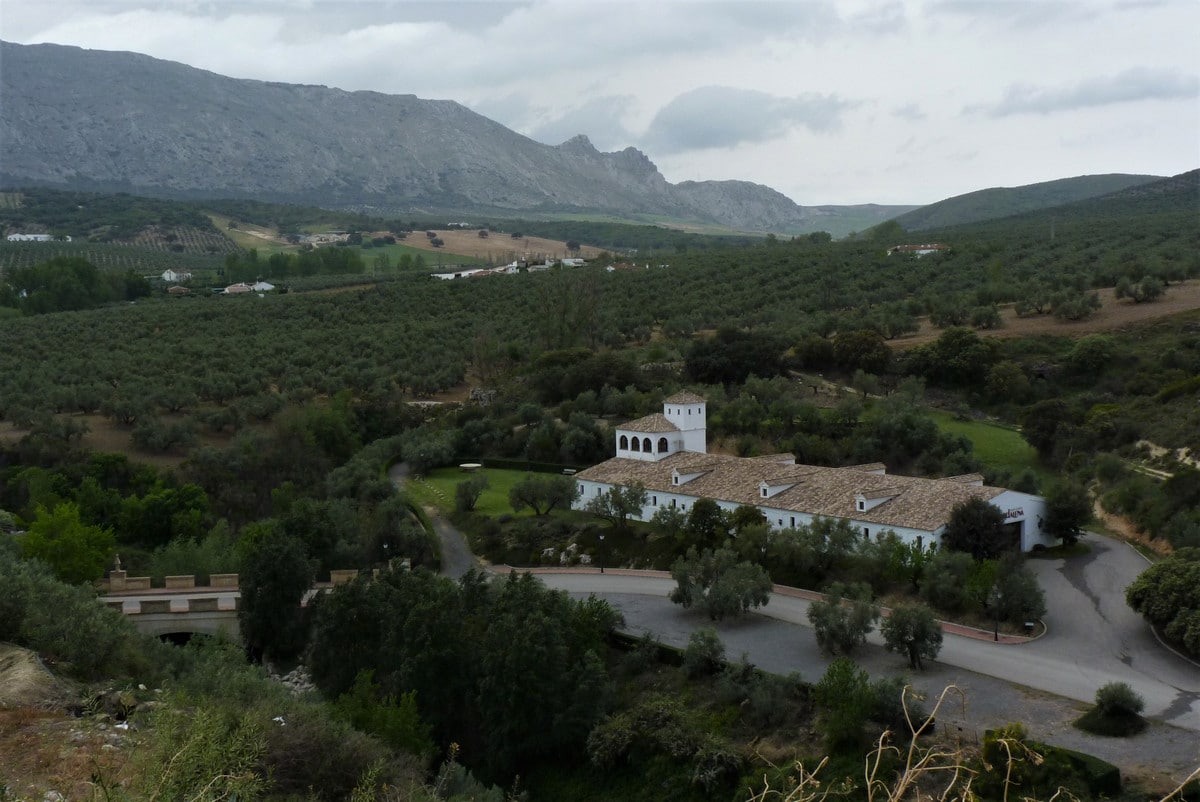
(667, 453)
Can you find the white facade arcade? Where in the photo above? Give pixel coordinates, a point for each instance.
(680, 427)
(667, 454)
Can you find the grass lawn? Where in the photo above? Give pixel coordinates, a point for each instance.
(997, 446)
(437, 488)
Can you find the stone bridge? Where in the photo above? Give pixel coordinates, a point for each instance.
(182, 607)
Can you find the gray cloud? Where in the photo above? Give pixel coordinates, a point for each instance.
(1018, 14)
(723, 117)
(599, 118)
(1129, 86)
(909, 111)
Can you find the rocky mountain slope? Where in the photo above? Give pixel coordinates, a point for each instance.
(98, 120)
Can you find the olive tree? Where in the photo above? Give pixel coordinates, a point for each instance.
(912, 630)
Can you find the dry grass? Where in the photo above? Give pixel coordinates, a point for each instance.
(1113, 314)
(498, 248)
(23, 680)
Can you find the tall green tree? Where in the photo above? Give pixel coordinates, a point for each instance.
(74, 551)
(912, 630)
(976, 527)
(542, 493)
(717, 583)
(274, 575)
(618, 504)
(1167, 594)
(1068, 509)
(844, 618)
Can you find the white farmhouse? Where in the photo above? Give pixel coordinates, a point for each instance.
(171, 276)
(667, 454)
(34, 238)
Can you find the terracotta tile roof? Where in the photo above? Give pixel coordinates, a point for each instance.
(649, 425)
(683, 397)
(915, 503)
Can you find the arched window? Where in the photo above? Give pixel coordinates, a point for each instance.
(637, 444)
(662, 445)
(624, 442)
(649, 449)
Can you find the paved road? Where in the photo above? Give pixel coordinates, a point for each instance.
(457, 558)
(1092, 638)
(1001, 683)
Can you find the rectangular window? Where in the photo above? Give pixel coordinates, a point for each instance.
(793, 522)
(654, 501)
(862, 506)
(866, 531)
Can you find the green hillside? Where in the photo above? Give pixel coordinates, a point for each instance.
(999, 202)
(1169, 204)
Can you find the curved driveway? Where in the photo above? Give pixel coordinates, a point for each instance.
(1092, 638)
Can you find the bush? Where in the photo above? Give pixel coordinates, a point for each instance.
(704, 654)
(845, 700)
(1118, 699)
(1117, 712)
(66, 625)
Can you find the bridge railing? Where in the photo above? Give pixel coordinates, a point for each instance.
(119, 582)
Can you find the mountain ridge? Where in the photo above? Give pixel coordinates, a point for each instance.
(999, 202)
(108, 121)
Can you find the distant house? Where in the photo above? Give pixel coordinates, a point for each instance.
(237, 289)
(572, 262)
(262, 286)
(176, 276)
(177, 290)
(35, 238)
(458, 274)
(918, 250)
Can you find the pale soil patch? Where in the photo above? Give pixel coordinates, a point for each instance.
(1124, 528)
(497, 248)
(24, 681)
(1113, 314)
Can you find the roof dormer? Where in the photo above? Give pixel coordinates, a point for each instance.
(768, 488)
(870, 499)
(679, 477)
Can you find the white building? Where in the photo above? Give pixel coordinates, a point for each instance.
(171, 276)
(667, 454)
(34, 238)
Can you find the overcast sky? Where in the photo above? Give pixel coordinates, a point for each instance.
(827, 102)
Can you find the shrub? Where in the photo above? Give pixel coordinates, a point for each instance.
(704, 653)
(1118, 699)
(66, 625)
(1117, 712)
(845, 701)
